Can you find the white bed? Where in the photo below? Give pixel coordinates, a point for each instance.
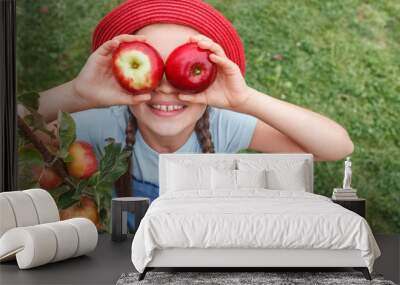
(202, 220)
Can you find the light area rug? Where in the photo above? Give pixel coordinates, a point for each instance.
(233, 278)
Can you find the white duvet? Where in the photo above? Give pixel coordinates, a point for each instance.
(251, 218)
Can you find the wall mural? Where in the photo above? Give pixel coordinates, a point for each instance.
(338, 60)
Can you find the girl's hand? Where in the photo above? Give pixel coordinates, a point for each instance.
(96, 86)
(229, 89)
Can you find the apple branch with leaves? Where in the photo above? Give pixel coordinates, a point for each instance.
(69, 191)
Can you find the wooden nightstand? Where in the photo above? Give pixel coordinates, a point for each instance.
(358, 206)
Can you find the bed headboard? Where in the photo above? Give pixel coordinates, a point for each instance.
(298, 168)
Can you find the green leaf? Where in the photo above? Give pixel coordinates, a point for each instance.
(89, 191)
(98, 196)
(93, 180)
(111, 151)
(57, 192)
(29, 99)
(25, 178)
(105, 218)
(28, 159)
(68, 158)
(113, 164)
(119, 168)
(80, 187)
(29, 155)
(66, 132)
(103, 200)
(104, 187)
(67, 199)
(21, 139)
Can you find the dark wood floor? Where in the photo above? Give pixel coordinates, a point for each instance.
(389, 262)
(110, 260)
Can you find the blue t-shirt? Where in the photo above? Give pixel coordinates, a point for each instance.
(230, 132)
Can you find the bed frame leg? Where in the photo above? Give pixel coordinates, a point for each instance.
(143, 274)
(364, 271)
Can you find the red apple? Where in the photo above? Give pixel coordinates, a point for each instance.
(48, 179)
(137, 66)
(189, 68)
(83, 160)
(85, 208)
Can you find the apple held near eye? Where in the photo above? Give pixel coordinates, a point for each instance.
(188, 68)
(137, 66)
(83, 160)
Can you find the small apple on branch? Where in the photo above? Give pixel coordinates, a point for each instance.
(82, 164)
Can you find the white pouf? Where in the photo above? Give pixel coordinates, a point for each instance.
(45, 205)
(7, 218)
(87, 234)
(40, 244)
(67, 239)
(33, 246)
(31, 230)
(23, 208)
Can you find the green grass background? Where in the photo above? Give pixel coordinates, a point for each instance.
(340, 58)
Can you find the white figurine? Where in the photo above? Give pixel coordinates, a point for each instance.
(347, 174)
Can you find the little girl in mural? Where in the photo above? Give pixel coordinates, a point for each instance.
(225, 118)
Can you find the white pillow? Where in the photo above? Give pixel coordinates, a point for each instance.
(293, 181)
(181, 177)
(229, 179)
(223, 179)
(251, 178)
(281, 174)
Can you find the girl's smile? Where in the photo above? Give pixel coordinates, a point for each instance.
(166, 108)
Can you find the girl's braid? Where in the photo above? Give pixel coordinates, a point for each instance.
(123, 184)
(202, 129)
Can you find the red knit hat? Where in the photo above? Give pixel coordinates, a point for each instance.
(135, 14)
